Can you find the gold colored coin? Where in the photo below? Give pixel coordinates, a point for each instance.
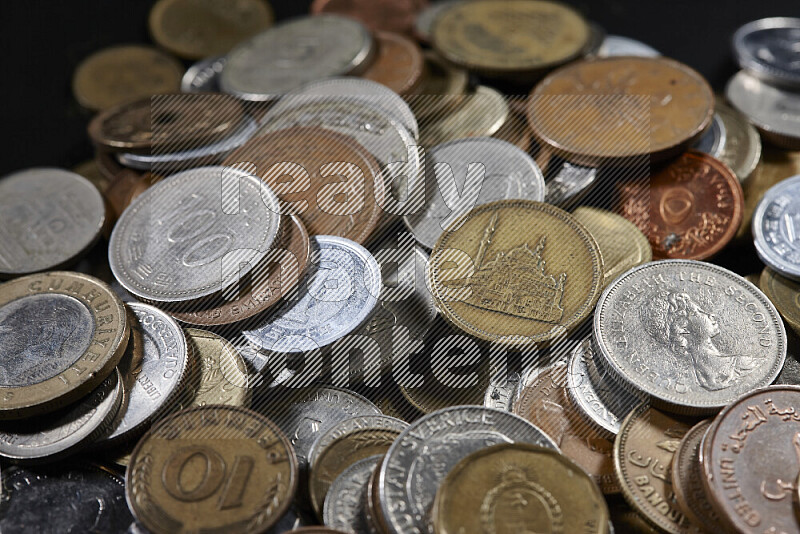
(516, 272)
(519, 488)
(122, 74)
(431, 395)
(784, 294)
(211, 469)
(775, 166)
(622, 244)
(742, 150)
(442, 87)
(478, 114)
(223, 372)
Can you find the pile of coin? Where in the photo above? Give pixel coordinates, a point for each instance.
(396, 267)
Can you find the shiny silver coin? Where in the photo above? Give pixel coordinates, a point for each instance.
(617, 45)
(714, 139)
(48, 217)
(768, 49)
(193, 234)
(288, 55)
(463, 174)
(423, 26)
(81, 498)
(691, 335)
(570, 184)
(346, 501)
(54, 435)
(338, 295)
(154, 370)
(742, 150)
(426, 451)
(203, 76)
(501, 392)
(776, 228)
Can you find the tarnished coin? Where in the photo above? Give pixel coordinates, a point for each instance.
(398, 63)
(519, 488)
(509, 38)
(154, 370)
(468, 173)
(345, 504)
(753, 454)
(121, 74)
(714, 139)
(80, 498)
(194, 29)
(295, 52)
(213, 467)
(52, 436)
(193, 234)
(389, 15)
(643, 451)
(771, 109)
(477, 114)
(48, 217)
(767, 48)
(784, 294)
(223, 372)
(692, 335)
(203, 76)
(617, 45)
(61, 335)
(776, 228)
(423, 25)
(742, 150)
(594, 112)
(426, 451)
(496, 275)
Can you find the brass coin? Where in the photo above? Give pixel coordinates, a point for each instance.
(61, 335)
(598, 111)
(213, 468)
(784, 294)
(516, 272)
(742, 150)
(622, 244)
(442, 87)
(519, 488)
(398, 65)
(121, 74)
(478, 114)
(643, 451)
(505, 37)
(432, 396)
(223, 372)
(197, 29)
(515, 131)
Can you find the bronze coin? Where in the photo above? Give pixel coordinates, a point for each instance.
(327, 179)
(390, 15)
(126, 186)
(398, 65)
(281, 271)
(753, 459)
(618, 109)
(91, 171)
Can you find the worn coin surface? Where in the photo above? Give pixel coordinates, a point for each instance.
(48, 217)
(714, 139)
(203, 76)
(784, 294)
(224, 459)
(771, 109)
(389, 15)
(767, 48)
(398, 63)
(61, 335)
(519, 488)
(742, 151)
(617, 45)
(345, 504)
(223, 372)
(776, 228)
(692, 335)
(476, 114)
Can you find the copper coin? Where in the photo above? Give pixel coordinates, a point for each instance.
(399, 63)
(279, 275)
(391, 15)
(125, 187)
(328, 179)
(753, 459)
(618, 109)
(91, 171)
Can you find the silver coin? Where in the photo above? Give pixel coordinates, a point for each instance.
(691, 335)
(48, 217)
(54, 435)
(617, 45)
(463, 174)
(776, 228)
(203, 76)
(348, 426)
(713, 141)
(193, 234)
(771, 109)
(426, 451)
(768, 49)
(83, 498)
(742, 150)
(154, 370)
(790, 374)
(501, 392)
(570, 184)
(338, 295)
(423, 26)
(346, 501)
(288, 55)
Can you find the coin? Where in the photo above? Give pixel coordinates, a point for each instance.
(617, 45)
(203, 76)
(520, 488)
(223, 372)
(80, 498)
(714, 139)
(742, 150)
(622, 245)
(398, 64)
(731, 339)
(373, 511)
(221, 458)
(776, 228)
(570, 184)
(784, 294)
(765, 106)
(442, 86)
(121, 74)
(345, 504)
(61, 334)
(48, 218)
(193, 234)
(389, 15)
(194, 29)
(766, 48)
(753, 454)
(424, 453)
(423, 25)
(478, 114)
(494, 277)
(432, 395)
(90, 170)
(624, 519)
(597, 94)
(271, 63)
(509, 38)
